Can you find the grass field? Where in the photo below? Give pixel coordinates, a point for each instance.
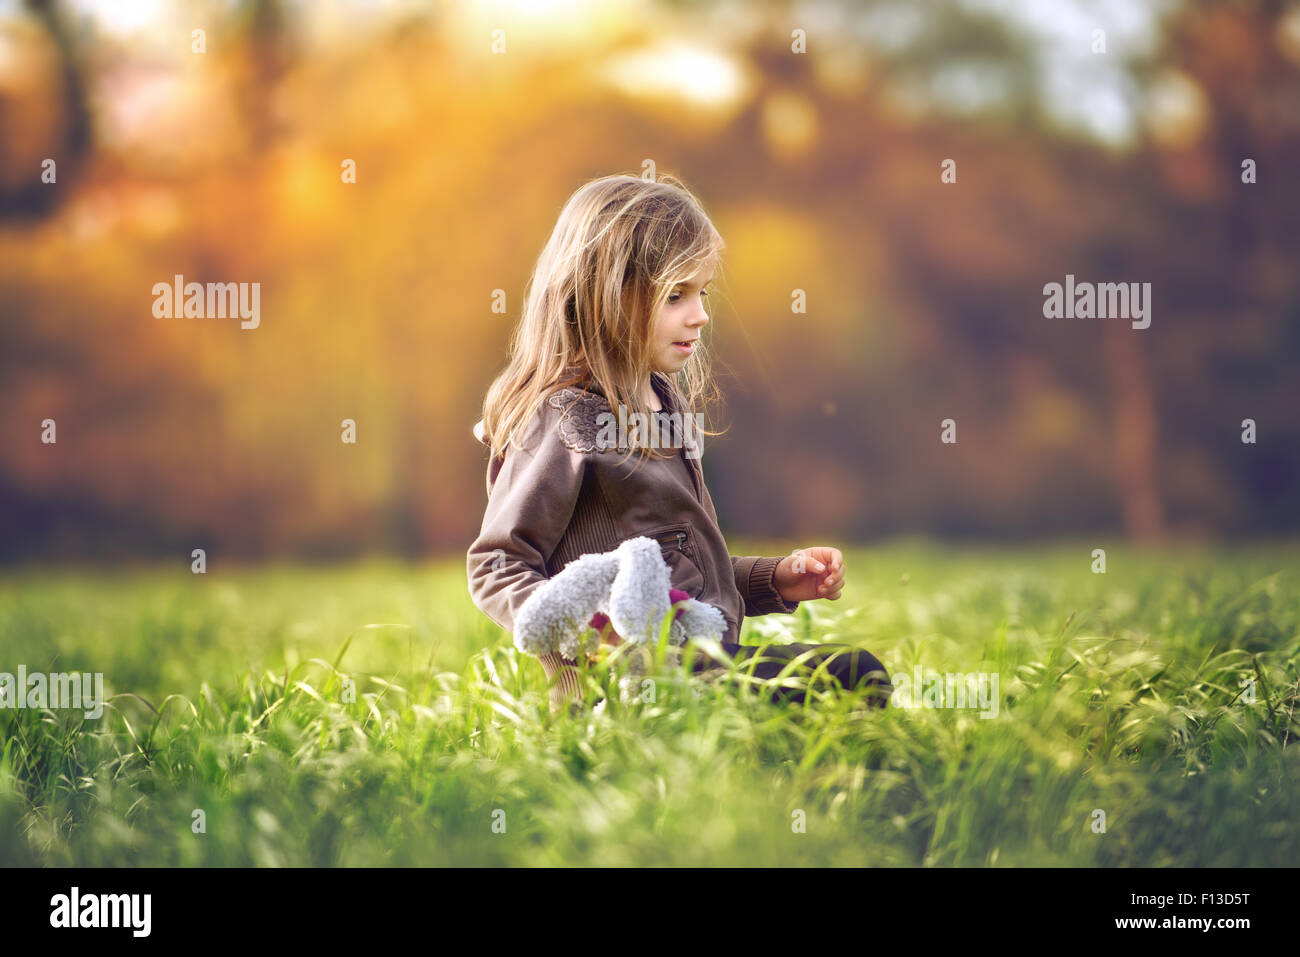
(1120, 692)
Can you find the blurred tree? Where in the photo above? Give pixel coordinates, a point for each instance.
(27, 197)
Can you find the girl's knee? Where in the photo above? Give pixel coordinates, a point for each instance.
(866, 672)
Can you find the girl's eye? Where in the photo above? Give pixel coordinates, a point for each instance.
(675, 296)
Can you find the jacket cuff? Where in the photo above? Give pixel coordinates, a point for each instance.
(761, 597)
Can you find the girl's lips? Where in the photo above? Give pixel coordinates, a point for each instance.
(686, 347)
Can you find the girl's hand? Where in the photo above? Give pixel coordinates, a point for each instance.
(808, 573)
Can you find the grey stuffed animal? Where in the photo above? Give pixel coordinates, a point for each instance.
(630, 585)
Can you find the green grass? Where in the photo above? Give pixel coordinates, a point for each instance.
(1120, 692)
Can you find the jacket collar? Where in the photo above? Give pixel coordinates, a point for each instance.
(662, 385)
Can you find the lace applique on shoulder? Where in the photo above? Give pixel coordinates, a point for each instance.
(579, 411)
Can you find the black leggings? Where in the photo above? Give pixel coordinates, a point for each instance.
(852, 667)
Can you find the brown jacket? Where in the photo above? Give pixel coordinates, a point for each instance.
(563, 494)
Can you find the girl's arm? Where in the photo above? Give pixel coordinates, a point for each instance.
(755, 579)
(528, 510)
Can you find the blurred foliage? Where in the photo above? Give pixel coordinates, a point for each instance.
(821, 170)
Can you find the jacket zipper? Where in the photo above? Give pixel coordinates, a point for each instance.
(679, 538)
(692, 465)
(693, 468)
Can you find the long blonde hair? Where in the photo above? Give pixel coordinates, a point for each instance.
(619, 247)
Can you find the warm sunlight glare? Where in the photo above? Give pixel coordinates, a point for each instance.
(698, 75)
(122, 17)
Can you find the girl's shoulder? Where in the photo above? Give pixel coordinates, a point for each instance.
(577, 416)
(581, 411)
(567, 416)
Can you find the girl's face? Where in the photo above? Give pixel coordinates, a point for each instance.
(677, 330)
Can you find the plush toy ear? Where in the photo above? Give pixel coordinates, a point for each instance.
(557, 612)
(638, 598)
(701, 620)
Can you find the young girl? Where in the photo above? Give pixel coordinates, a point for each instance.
(612, 323)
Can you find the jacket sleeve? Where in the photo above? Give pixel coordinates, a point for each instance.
(755, 579)
(529, 508)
